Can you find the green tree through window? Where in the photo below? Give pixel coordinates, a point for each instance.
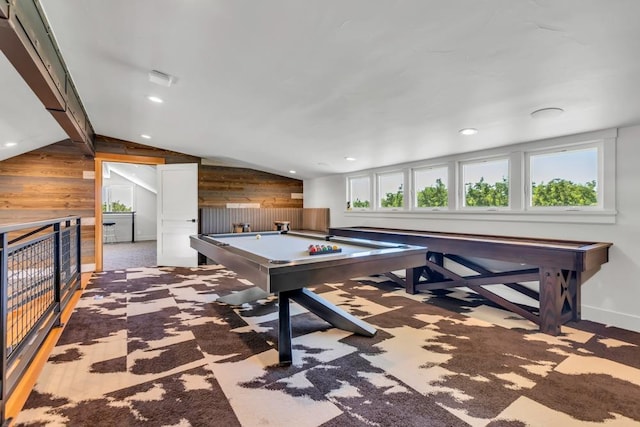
(357, 203)
(434, 196)
(115, 207)
(563, 192)
(393, 200)
(482, 193)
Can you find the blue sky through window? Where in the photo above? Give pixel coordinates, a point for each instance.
(491, 170)
(578, 166)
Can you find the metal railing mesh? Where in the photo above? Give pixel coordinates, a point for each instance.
(31, 288)
(39, 274)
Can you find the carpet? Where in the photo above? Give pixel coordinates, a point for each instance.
(150, 346)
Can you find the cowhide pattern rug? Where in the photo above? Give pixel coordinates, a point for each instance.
(150, 346)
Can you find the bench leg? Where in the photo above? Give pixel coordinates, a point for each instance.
(550, 300)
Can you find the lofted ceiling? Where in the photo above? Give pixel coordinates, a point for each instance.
(300, 85)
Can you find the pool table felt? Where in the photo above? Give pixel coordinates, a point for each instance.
(285, 246)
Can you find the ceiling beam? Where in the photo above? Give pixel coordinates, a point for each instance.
(27, 42)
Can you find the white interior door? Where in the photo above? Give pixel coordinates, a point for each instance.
(177, 214)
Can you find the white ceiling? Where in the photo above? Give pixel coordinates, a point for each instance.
(23, 119)
(300, 85)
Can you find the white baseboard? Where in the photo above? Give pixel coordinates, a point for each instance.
(611, 318)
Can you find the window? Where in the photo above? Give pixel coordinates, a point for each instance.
(390, 190)
(117, 198)
(431, 187)
(564, 178)
(359, 193)
(486, 183)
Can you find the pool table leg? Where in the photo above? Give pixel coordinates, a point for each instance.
(330, 313)
(284, 330)
(321, 308)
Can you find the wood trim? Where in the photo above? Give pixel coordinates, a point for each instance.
(16, 401)
(109, 157)
(128, 158)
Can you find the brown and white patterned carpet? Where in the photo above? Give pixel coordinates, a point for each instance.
(149, 346)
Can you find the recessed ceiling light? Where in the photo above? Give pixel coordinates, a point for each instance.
(350, 159)
(10, 144)
(547, 113)
(145, 136)
(155, 99)
(468, 131)
(292, 171)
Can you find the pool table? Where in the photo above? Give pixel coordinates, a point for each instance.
(279, 262)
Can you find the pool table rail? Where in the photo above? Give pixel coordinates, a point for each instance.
(274, 275)
(289, 278)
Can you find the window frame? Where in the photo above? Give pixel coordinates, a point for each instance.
(518, 210)
(598, 145)
(461, 190)
(350, 179)
(111, 189)
(414, 189)
(378, 198)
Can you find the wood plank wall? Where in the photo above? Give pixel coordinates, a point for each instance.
(49, 183)
(105, 144)
(221, 185)
(56, 181)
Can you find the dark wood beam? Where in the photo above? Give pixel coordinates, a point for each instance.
(28, 44)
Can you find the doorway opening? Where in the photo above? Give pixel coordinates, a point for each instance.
(129, 196)
(125, 209)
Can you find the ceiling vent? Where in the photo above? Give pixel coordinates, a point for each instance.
(160, 78)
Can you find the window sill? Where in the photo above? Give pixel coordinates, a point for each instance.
(579, 217)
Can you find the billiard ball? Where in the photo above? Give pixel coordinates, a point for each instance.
(258, 236)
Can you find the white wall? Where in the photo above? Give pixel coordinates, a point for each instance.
(612, 296)
(145, 207)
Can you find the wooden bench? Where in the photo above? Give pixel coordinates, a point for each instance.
(560, 267)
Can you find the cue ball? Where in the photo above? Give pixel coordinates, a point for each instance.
(258, 236)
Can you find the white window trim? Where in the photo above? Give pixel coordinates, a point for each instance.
(599, 145)
(109, 190)
(413, 188)
(350, 196)
(518, 177)
(461, 190)
(376, 189)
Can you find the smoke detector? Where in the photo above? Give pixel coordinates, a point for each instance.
(160, 78)
(547, 113)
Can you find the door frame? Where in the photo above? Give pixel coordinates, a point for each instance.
(119, 158)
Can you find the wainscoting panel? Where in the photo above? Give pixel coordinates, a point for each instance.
(221, 220)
